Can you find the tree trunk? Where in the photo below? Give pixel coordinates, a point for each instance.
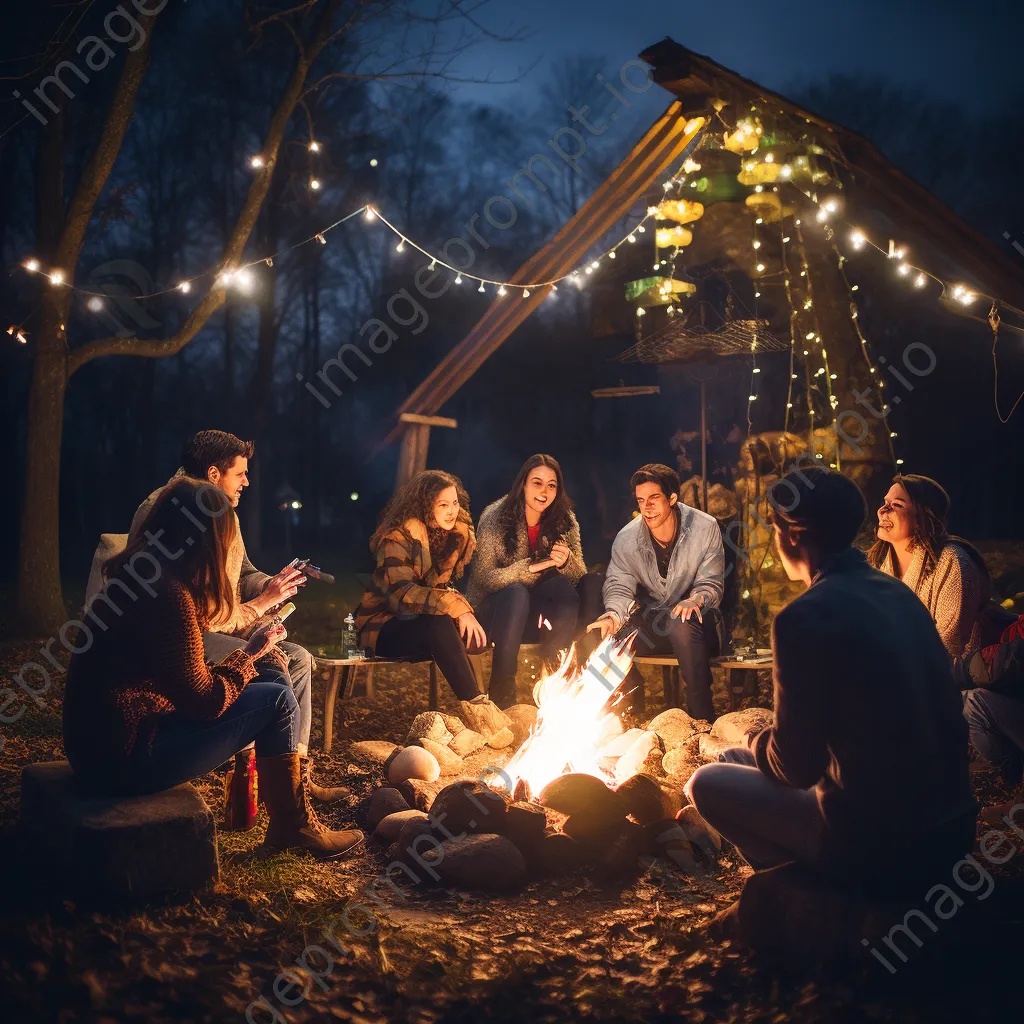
(40, 601)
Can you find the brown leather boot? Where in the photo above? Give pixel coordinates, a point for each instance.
(293, 822)
(325, 794)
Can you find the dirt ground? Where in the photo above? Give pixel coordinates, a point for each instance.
(569, 948)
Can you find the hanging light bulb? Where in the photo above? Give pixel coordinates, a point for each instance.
(314, 146)
(641, 228)
(526, 293)
(589, 270)
(185, 287)
(760, 268)
(458, 279)
(401, 246)
(256, 162)
(751, 398)
(481, 288)
(857, 239)
(631, 238)
(501, 290)
(903, 270)
(373, 162)
(56, 277)
(31, 265)
(370, 215)
(611, 255)
(95, 304)
(595, 264)
(640, 311)
(314, 184)
(757, 244)
(243, 278)
(920, 281)
(785, 171)
(320, 238)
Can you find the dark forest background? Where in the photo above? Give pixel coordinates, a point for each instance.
(182, 175)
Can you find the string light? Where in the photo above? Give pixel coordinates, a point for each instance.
(921, 281)
(319, 237)
(314, 146)
(501, 290)
(401, 246)
(56, 277)
(526, 293)
(481, 288)
(314, 184)
(256, 162)
(369, 213)
(458, 279)
(32, 265)
(373, 162)
(857, 239)
(184, 287)
(95, 304)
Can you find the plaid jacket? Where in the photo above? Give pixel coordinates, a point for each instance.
(406, 582)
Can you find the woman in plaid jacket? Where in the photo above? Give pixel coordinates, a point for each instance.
(423, 542)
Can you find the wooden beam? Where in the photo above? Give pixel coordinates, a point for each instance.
(626, 391)
(660, 150)
(413, 457)
(428, 421)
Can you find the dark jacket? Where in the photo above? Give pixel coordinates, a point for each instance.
(866, 709)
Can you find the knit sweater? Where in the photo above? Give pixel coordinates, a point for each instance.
(246, 581)
(407, 582)
(954, 593)
(147, 663)
(866, 709)
(495, 567)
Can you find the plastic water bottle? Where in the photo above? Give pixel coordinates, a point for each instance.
(350, 638)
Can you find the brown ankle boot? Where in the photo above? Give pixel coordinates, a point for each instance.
(325, 794)
(293, 822)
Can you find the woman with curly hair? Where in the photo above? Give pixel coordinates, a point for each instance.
(423, 541)
(947, 573)
(528, 562)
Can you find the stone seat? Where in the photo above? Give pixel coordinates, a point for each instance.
(792, 914)
(121, 848)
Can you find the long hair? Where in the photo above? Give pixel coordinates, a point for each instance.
(555, 520)
(195, 525)
(929, 503)
(415, 500)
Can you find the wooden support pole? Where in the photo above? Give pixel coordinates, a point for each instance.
(416, 443)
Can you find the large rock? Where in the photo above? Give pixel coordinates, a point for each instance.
(634, 759)
(449, 762)
(128, 848)
(413, 763)
(578, 792)
(374, 751)
(467, 742)
(555, 853)
(469, 807)
(619, 856)
(710, 746)
(705, 838)
(645, 800)
(406, 845)
(620, 742)
(523, 718)
(524, 824)
(789, 912)
(680, 764)
(500, 739)
(390, 827)
(593, 830)
(485, 717)
(667, 839)
(430, 725)
(674, 727)
(734, 727)
(419, 794)
(453, 723)
(382, 802)
(489, 862)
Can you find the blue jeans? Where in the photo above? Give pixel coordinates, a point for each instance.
(184, 749)
(997, 730)
(217, 646)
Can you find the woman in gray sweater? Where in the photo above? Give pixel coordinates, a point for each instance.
(522, 580)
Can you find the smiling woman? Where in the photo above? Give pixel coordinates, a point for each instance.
(947, 573)
(528, 562)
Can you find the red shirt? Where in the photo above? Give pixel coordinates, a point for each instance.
(534, 534)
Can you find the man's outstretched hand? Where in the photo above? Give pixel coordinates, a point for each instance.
(607, 624)
(281, 587)
(688, 607)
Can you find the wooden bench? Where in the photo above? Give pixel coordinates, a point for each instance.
(342, 673)
(742, 675)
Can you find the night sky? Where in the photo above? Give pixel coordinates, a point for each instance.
(968, 52)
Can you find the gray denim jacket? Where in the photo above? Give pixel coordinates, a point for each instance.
(696, 569)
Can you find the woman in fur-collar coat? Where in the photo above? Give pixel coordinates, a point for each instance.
(523, 578)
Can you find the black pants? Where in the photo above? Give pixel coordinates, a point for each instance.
(431, 637)
(691, 642)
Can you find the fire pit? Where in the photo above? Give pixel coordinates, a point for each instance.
(487, 798)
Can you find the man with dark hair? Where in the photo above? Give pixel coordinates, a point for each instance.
(223, 460)
(863, 773)
(670, 561)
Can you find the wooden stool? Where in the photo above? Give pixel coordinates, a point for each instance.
(342, 672)
(742, 676)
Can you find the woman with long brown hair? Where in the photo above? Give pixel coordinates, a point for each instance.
(143, 712)
(528, 562)
(423, 541)
(947, 573)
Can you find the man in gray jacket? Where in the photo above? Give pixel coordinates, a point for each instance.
(670, 561)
